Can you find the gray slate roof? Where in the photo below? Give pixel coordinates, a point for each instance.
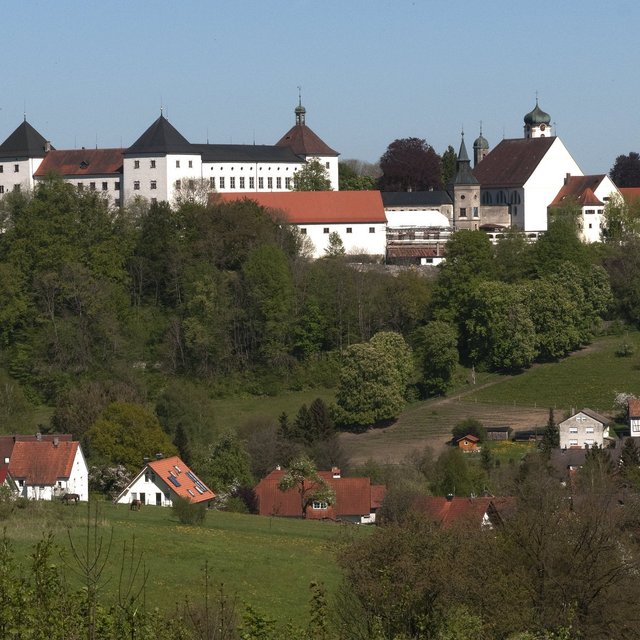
(245, 153)
(24, 142)
(415, 198)
(161, 138)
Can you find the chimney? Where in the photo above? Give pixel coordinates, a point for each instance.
(159, 456)
(335, 472)
(278, 467)
(39, 437)
(56, 441)
(449, 497)
(566, 178)
(47, 146)
(6, 460)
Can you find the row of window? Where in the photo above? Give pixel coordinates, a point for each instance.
(16, 168)
(303, 230)
(575, 430)
(252, 183)
(105, 186)
(574, 443)
(152, 164)
(463, 212)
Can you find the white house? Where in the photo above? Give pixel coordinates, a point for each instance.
(47, 468)
(584, 429)
(356, 216)
(633, 412)
(160, 481)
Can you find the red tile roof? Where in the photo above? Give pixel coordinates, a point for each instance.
(4, 470)
(81, 162)
(634, 408)
(7, 442)
(470, 437)
(578, 188)
(512, 162)
(354, 497)
(460, 510)
(630, 194)
(318, 207)
(42, 463)
(304, 142)
(411, 251)
(190, 486)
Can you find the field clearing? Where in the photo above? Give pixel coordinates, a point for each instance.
(588, 378)
(266, 562)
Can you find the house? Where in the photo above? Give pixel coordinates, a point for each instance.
(468, 443)
(356, 499)
(484, 512)
(44, 468)
(584, 429)
(565, 463)
(590, 194)
(162, 480)
(358, 217)
(633, 414)
(526, 174)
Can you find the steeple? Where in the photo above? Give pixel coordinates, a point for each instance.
(480, 148)
(464, 174)
(537, 123)
(300, 111)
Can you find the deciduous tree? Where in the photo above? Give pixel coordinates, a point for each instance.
(410, 164)
(312, 176)
(626, 170)
(302, 476)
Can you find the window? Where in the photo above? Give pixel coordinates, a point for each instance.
(590, 226)
(590, 211)
(326, 165)
(16, 187)
(136, 164)
(242, 183)
(222, 183)
(80, 186)
(154, 184)
(635, 427)
(278, 183)
(260, 183)
(349, 229)
(589, 430)
(232, 183)
(463, 212)
(319, 504)
(16, 168)
(589, 443)
(92, 186)
(475, 212)
(372, 229)
(1, 168)
(177, 164)
(573, 443)
(573, 429)
(190, 164)
(116, 186)
(287, 183)
(105, 186)
(269, 183)
(325, 230)
(136, 185)
(154, 200)
(178, 184)
(252, 183)
(191, 184)
(303, 232)
(152, 164)
(1, 188)
(212, 183)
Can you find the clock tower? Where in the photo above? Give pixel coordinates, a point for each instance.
(537, 123)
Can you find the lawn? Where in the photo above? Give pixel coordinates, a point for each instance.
(267, 562)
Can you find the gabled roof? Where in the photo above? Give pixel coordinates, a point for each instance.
(592, 414)
(161, 138)
(246, 153)
(449, 511)
(7, 442)
(304, 142)
(24, 142)
(81, 162)
(512, 162)
(470, 437)
(580, 189)
(415, 198)
(318, 207)
(630, 194)
(180, 479)
(42, 462)
(354, 496)
(634, 408)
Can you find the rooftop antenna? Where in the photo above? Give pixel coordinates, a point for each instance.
(254, 137)
(24, 110)
(96, 140)
(207, 135)
(300, 95)
(555, 128)
(161, 106)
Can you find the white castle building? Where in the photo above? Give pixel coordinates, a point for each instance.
(162, 161)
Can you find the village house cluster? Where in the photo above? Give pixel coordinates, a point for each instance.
(512, 185)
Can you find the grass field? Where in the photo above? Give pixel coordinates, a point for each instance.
(266, 562)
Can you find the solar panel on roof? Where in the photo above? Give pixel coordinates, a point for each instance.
(192, 475)
(174, 481)
(199, 490)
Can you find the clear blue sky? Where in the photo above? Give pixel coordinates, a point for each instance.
(370, 70)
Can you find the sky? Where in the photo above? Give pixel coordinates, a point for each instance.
(97, 73)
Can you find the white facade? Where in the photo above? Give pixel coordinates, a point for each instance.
(593, 219)
(149, 489)
(17, 175)
(228, 177)
(330, 163)
(582, 430)
(357, 237)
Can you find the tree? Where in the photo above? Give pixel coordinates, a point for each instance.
(550, 435)
(437, 353)
(410, 164)
(373, 380)
(192, 190)
(351, 180)
(469, 426)
(335, 247)
(127, 434)
(449, 165)
(302, 476)
(626, 170)
(313, 176)
(621, 220)
(225, 464)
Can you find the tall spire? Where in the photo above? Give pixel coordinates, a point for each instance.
(463, 166)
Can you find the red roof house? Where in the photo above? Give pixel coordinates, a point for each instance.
(468, 443)
(449, 511)
(356, 499)
(161, 481)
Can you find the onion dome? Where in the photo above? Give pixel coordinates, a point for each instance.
(537, 117)
(481, 142)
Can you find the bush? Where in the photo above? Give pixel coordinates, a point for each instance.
(624, 349)
(188, 512)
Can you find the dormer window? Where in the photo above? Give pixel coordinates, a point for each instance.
(84, 164)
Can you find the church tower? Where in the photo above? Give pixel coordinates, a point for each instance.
(480, 148)
(537, 123)
(466, 193)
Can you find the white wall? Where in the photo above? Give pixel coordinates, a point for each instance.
(359, 240)
(10, 178)
(149, 484)
(581, 430)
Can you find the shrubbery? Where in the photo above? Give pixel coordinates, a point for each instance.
(189, 512)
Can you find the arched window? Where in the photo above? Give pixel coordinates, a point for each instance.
(486, 197)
